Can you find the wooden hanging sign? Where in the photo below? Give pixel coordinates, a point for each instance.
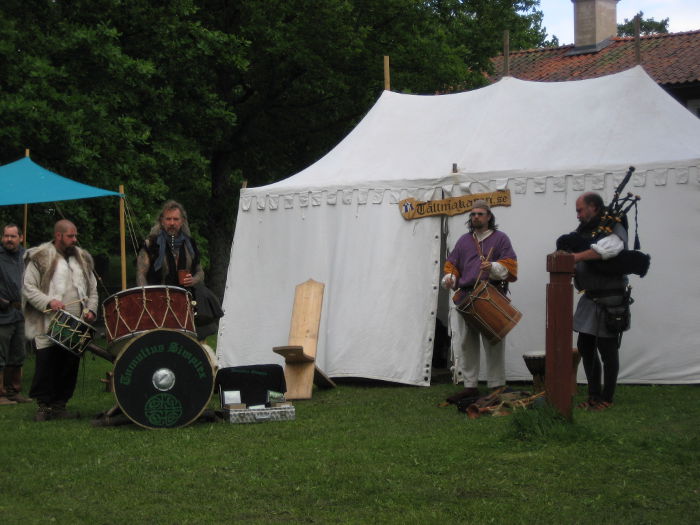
(412, 209)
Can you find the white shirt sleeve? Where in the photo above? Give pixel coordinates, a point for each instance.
(498, 272)
(608, 247)
(448, 281)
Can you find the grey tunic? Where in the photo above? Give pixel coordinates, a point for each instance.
(11, 270)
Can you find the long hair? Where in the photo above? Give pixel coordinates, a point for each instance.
(168, 206)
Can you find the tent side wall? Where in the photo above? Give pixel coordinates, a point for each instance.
(380, 274)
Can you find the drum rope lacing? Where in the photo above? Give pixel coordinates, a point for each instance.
(113, 335)
(84, 337)
(468, 309)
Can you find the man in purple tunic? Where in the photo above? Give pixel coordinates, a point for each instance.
(483, 253)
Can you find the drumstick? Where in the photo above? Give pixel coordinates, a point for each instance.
(65, 304)
(484, 260)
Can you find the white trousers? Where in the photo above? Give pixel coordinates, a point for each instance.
(466, 354)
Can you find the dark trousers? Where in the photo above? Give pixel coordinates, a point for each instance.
(589, 346)
(55, 376)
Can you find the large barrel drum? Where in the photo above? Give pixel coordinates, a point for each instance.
(163, 379)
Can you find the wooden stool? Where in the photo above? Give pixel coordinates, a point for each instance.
(300, 370)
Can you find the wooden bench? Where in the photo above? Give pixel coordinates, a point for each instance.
(300, 370)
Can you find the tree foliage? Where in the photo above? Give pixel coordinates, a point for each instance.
(108, 92)
(647, 26)
(185, 99)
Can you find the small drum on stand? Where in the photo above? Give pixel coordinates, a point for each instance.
(488, 310)
(137, 310)
(535, 363)
(163, 379)
(70, 332)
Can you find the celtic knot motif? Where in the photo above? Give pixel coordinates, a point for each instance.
(163, 410)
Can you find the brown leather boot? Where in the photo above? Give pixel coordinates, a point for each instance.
(13, 384)
(3, 393)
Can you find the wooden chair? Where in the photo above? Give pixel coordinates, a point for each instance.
(300, 370)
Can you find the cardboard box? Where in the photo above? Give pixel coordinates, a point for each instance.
(260, 415)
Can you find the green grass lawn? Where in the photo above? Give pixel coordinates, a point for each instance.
(359, 454)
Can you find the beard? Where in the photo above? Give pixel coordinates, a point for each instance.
(69, 251)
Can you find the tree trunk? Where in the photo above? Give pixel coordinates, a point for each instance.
(221, 221)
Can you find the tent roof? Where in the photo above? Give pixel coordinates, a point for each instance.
(510, 128)
(25, 182)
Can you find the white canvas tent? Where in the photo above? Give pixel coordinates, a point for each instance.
(338, 222)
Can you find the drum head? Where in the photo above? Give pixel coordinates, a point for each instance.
(163, 379)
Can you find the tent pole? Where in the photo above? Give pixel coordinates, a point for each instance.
(637, 50)
(387, 74)
(506, 53)
(26, 215)
(122, 235)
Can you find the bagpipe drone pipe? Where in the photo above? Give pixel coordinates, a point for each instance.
(627, 261)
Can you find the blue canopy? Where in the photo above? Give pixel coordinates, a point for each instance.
(25, 182)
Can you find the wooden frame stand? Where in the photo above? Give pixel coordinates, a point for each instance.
(300, 370)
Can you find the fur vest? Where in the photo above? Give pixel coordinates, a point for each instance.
(46, 278)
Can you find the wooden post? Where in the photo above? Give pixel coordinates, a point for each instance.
(506, 53)
(122, 235)
(387, 74)
(560, 315)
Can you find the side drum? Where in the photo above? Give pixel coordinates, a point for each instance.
(136, 310)
(70, 332)
(488, 310)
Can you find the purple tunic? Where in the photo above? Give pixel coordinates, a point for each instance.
(465, 256)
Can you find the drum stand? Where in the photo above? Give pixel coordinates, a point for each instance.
(113, 417)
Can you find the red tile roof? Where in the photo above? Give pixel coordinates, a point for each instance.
(672, 58)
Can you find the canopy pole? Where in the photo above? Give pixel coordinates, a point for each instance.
(26, 215)
(387, 74)
(26, 209)
(122, 235)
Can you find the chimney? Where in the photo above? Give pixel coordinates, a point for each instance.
(595, 21)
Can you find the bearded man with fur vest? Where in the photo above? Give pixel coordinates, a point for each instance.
(168, 250)
(59, 276)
